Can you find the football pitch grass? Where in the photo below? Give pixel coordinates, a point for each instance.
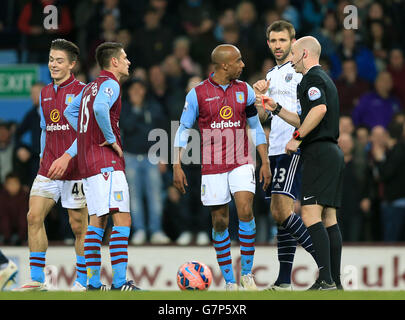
(205, 295)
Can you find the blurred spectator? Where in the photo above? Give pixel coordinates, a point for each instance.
(396, 67)
(356, 197)
(227, 18)
(377, 11)
(269, 17)
(379, 106)
(6, 150)
(83, 13)
(167, 11)
(390, 163)
(153, 41)
(350, 49)
(314, 12)
(28, 155)
(327, 34)
(289, 13)
(346, 125)
(9, 35)
(350, 87)
(197, 19)
(124, 37)
(37, 37)
(119, 10)
(379, 42)
(175, 76)
(249, 31)
(173, 208)
(377, 144)
(362, 136)
(13, 211)
(140, 73)
(232, 36)
(181, 50)
(170, 97)
(140, 115)
(108, 32)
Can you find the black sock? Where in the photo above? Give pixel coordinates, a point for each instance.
(335, 240)
(320, 241)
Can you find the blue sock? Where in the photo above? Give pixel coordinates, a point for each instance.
(92, 254)
(222, 245)
(119, 254)
(297, 229)
(37, 265)
(247, 238)
(81, 270)
(286, 246)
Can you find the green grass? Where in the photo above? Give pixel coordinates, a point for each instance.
(207, 295)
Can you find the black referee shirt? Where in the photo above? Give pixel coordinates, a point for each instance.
(317, 88)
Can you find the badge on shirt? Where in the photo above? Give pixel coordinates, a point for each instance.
(69, 98)
(314, 93)
(240, 96)
(288, 77)
(109, 92)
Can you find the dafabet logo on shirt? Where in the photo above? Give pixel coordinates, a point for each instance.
(226, 112)
(55, 115)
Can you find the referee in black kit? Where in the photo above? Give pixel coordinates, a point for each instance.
(316, 135)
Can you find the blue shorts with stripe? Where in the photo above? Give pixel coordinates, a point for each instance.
(286, 175)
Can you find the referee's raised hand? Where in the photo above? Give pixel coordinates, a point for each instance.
(268, 103)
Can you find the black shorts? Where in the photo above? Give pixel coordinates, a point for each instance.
(322, 174)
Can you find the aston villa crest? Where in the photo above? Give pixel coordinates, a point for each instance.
(288, 77)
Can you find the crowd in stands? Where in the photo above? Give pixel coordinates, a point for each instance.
(169, 45)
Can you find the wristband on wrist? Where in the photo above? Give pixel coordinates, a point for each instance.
(277, 110)
(297, 135)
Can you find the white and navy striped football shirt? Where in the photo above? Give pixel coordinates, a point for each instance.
(283, 89)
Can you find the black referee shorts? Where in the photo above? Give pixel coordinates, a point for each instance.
(322, 174)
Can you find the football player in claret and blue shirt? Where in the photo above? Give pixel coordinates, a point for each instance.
(95, 114)
(224, 106)
(56, 137)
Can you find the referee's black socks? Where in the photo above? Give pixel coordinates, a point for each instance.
(320, 241)
(335, 240)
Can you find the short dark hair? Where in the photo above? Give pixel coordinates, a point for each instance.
(106, 51)
(69, 47)
(281, 25)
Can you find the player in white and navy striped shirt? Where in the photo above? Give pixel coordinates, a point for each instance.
(281, 84)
